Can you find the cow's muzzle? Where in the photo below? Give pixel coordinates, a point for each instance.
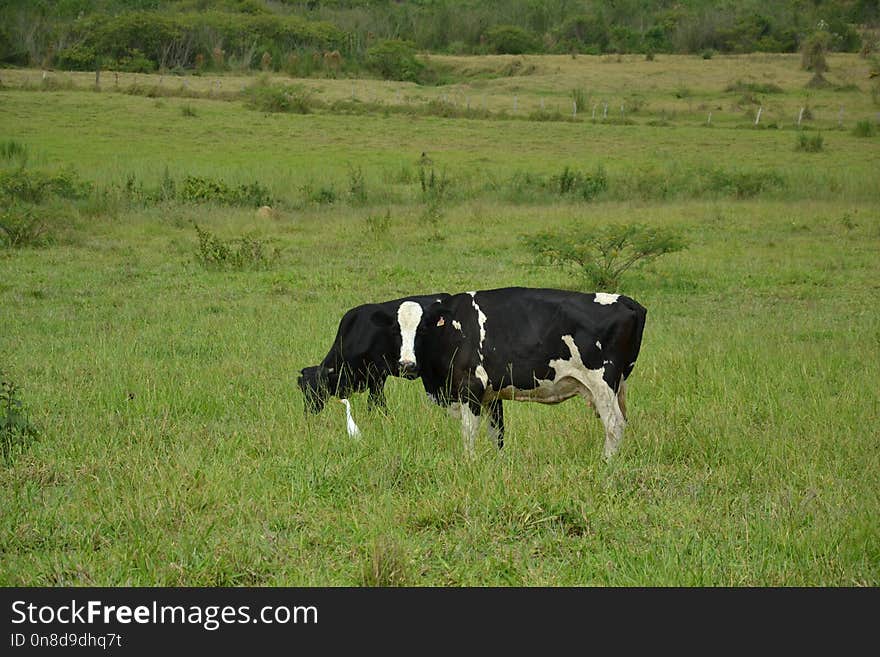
(408, 369)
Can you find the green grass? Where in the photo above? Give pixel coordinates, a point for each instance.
(173, 448)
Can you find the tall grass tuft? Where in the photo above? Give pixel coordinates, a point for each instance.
(14, 151)
(384, 565)
(16, 430)
(809, 144)
(864, 129)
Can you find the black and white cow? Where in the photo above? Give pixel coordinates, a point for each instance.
(373, 342)
(476, 349)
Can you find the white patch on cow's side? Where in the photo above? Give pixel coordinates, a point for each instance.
(481, 321)
(605, 298)
(456, 324)
(481, 374)
(599, 345)
(573, 378)
(408, 316)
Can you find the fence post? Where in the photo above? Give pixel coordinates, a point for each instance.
(605, 111)
(800, 116)
(574, 108)
(709, 119)
(758, 116)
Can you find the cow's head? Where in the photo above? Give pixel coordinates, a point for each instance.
(399, 334)
(316, 383)
(433, 333)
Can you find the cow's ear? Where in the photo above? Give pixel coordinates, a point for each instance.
(381, 318)
(437, 315)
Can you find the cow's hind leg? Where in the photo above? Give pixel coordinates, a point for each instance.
(496, 423)
(621, 397)
(606, 404)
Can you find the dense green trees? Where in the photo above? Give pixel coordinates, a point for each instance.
(166, 34)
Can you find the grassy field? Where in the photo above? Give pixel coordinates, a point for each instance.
(173, 448)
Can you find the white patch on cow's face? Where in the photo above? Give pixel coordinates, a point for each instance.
(599, 345)
(456, 324)
(408, 316)
(605, 298)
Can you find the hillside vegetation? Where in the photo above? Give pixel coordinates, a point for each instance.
(149, 35)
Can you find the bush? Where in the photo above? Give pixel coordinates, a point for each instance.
(267, 97)
(813, 53)
(246, 252)
(602, 254)
(588, 185)
(510, 40)
(742, 184)
(16, 430)
(20, 226)
(33, 186)
(394, 59)
(195, 189)
(809, 144)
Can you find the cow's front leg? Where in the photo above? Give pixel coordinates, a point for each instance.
(470, 424)
(376, 397)
(496, 423)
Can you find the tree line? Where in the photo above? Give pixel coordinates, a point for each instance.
(298, 35)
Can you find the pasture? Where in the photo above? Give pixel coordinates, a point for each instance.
(172, 445)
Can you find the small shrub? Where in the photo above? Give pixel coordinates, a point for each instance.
(742, 184)
(246, 252)
(357, 188)
(324, 195)
(394, 59)
(266, 97)
(708, 53)
(510, 40)
(588, 185)
(813, 52)
(196, 189)
(864, 129)
(754, 88)
(21, 226)
(33, 186)
(378, 225)
(188, 110)
(579, 96)
(601, 255)
(433, 186)
(16, 430)
(809, 144)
